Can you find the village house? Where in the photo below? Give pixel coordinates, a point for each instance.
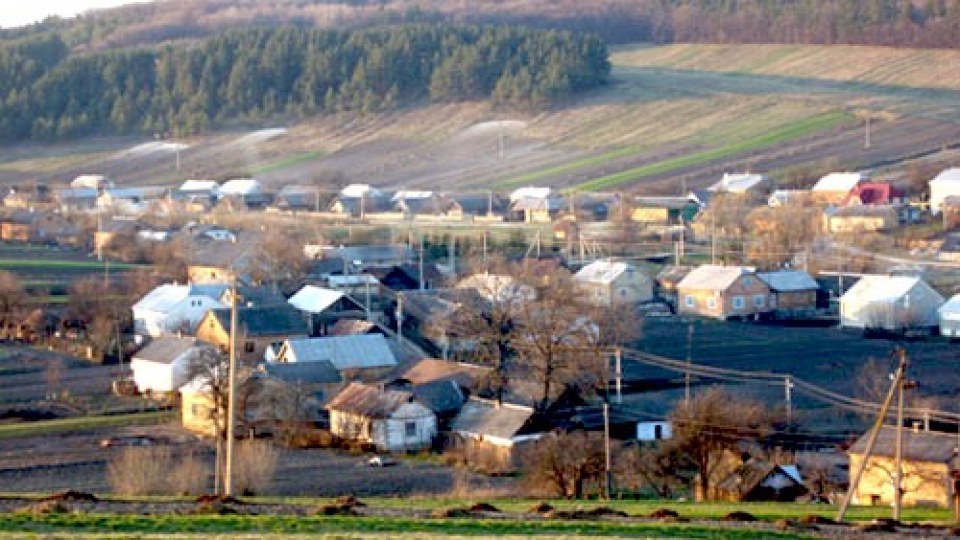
(761, 480)
(197, 188)
(258, 328)
(98, 182)
(358, 258)
(492, 436)
(112, 229)
(535, 204)
(489, 206)
(498, 288)
(950, 248)
(173, 308)
(431, 315)
(859, 219)
(296, 198)
(944, 185)
(407, 277)
(198, 409)
(75, 199)
(723, 292)
(412, 203)
(353, 327)
(163, 365)
(930, 464)
(358, 200)
(366, 357)
(789, 197)
(835, 187)
(130, 201)
(252, 295)
(668, 279)
(35, 196)
(324, 307)
(949, 315)
(309, 385)
(391, 420)
(892, 303)
(243, 194)
(427, 370)
(663, 210)
(39, 227)
(221, 262)
(793, 292)
(610, 283)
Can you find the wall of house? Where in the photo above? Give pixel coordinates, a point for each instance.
(250, 349)
(209, 274)
(919, 312)
(852, 224)
(488, 457)
(924, 483)
(15, 232)
(650, 215)
(949, 327)
(157, 376)
(724, 304)
(392, 435)
(796, 300)
(196, 413)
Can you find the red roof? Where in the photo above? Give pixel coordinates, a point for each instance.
(871, 193)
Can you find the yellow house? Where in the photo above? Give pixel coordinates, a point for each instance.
(929, 463)
(855, 219)
(723, 292)
(259, 327)
(197, 409)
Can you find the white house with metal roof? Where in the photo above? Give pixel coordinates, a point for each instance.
(173, 308)
(611, 282)
(890, 303)
(498, 288)
(946, 184)
(369, 355)
(162, 366)
(949, 314)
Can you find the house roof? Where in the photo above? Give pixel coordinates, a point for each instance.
(673, 203)
(751, 474)
(406, 195)
(256, 295)
(355, 191)
(165, 297)
(223, 254)
(873, 193)
(951, 244)
(498, 287)
(369, 401)
(784, 196)
(673, 274)
(738, 182)
(530, 192)
(602, 272)
(482, 417)
(432, 369)
(863, 211)
(713, 277)
(951, 306)
(927, 446)
(349, 327)
(439, 396)
(838, 181)
(280, 320)
(357, 351)
(94, 181)
(874, 288)
(314, 299)
(947, 176)
(319, 372)
(789, 280)
(137, 193)
(240, 186)
(166, 349)
(371, 254)
(210, 186)
(533, 203)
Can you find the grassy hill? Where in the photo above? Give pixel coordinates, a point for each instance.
(671, 116)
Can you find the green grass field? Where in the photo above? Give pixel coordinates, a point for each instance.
(82, 423)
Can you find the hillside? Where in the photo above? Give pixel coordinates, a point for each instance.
(670, 116)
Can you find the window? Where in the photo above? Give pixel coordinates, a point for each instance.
(712, 303)
(689, 301)
(737, 302)
(410, 429)
(760, 300)
(747, 281)
(248, 346)
(658, 432)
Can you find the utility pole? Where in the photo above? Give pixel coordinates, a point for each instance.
(686, 376)
(231, 389)
(421, 261)
(866, 140)
(608, 476)
(452, 252)
(898, 451)
(787, 390)
(713, 236)
(872, 438)
(399, 318)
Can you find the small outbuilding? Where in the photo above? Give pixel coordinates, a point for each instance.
(949, 315)
(890, 303)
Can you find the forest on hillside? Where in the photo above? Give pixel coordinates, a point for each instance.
(47, 92)
(903, 23)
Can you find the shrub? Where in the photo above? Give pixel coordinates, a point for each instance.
(141, 471)
(190, 476)
(254, 466)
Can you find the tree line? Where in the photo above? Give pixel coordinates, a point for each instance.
(258, 73)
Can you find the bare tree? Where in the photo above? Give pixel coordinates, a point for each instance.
(711, 426)
(567, 464)
(12, 298)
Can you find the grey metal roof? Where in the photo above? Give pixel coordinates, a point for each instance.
(441, 397)
(358, 351)
(789, 280)
(319, 372)
(281, 320)
(372, 254)
(166, 349)
(481, 417)
(369, 401)
(432, 369)
(928, 446)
